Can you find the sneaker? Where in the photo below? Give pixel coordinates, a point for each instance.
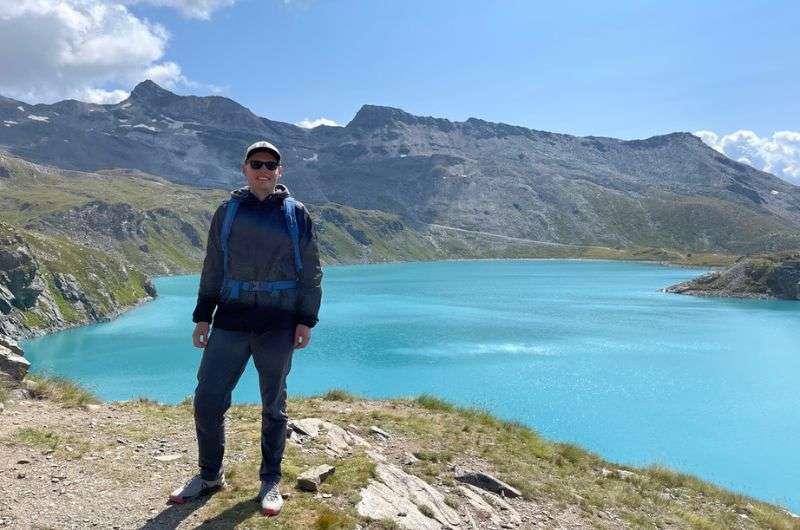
(270, 497)
(196, 487)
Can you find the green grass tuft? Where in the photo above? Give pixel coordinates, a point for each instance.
(431, 402)
(332, 520)
(61, 390)
(39, 438)
(337, 394)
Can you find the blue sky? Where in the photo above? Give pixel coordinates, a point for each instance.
(627, 70)
(622, 69)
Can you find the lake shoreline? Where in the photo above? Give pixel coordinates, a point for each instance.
(50, 331)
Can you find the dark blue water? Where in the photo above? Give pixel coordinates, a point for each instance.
(586, 352)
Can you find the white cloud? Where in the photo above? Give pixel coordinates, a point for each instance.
(778, 154)
(310, 124)
(201, 9)
(83, 49)
(167, 74)
(103, 97)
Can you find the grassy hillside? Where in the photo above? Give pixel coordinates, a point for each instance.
(140, 450)
(161, 227)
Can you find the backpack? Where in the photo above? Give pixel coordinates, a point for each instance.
(233, 286)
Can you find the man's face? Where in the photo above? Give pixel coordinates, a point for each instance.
(261, 181)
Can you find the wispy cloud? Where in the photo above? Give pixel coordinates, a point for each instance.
(310, 124)
(200, 9)
(778, 154)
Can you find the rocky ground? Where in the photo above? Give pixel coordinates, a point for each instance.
(418, 464)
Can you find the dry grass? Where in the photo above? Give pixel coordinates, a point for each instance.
(61, 390)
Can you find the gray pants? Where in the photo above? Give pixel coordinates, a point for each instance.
(224, 361)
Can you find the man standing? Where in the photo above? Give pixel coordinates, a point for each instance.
(262, 274)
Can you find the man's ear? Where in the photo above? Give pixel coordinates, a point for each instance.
(243, 173)
(279, 173)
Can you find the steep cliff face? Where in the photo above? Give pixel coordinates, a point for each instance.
(759, 276)
(49, 283)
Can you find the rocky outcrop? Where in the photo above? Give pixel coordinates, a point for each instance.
(339, 441)
(12, 364)
(759, 276)
(405, 499)
(20, 284)
(394, 494)
(13, 367)
(47, 284)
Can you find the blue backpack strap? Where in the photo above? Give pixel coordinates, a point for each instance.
(227, 224)
(289, 211)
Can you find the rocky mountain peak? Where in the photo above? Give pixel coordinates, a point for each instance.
(374, 116)
(149, 92)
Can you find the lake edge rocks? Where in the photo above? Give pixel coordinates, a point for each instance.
(774, 276)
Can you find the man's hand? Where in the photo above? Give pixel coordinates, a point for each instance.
(302, 336)
(200, 335)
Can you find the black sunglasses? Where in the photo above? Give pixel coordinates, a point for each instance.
(269, 164)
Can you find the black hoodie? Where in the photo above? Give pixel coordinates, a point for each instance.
(260, 249)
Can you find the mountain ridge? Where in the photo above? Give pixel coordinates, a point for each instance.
(472, 175)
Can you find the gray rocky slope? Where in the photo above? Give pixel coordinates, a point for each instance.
(669, 191)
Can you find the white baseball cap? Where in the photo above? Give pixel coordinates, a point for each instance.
(263, 145)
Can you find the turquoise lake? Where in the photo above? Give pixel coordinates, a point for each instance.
(582, 351)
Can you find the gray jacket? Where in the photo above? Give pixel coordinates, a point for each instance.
(260, 249)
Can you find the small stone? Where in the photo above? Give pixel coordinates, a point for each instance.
(311, 479)
(327, 495)
(23, 461)
(409, 459)
(20, 475)
(378, 431)
(168, 458)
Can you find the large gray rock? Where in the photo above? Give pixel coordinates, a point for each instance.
(16, 366)
(486, 504)
(406, 499)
